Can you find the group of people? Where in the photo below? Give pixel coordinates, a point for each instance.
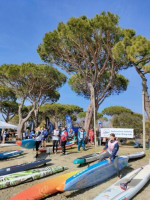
(5, 135)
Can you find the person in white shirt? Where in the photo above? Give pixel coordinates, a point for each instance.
(55, 139)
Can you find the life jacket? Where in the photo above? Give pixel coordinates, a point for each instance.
(64, 136)
(111, 146)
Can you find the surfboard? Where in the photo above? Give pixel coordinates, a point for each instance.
(136, 155)
(27, 144)
(87, 158)
(8, 154)
(29, 175)
(93, 175)
(115, 192)
(22, 167)
(95, 156)
(43, 189)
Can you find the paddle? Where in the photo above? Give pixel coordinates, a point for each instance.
(124, 185)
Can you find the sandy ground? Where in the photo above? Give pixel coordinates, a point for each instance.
(67, 160)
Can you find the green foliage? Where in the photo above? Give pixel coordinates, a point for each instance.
(82, 114)
(8, 104)
(119, 84)
(98, 116)
(128, 120)
(83, 45)
(59, 111)
(32, 82)
(115, 110)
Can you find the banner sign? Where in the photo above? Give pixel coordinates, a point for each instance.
(119, 132)
(68, 122)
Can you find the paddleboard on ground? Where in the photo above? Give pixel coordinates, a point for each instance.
(8, 154)
(50, 149)
(93, 175)
(27, 144)
(22, 167)
(43, 189)
(137, 179)
(95, 156)
(88, 158)
(136, 155)
(7, 145)
(29, 175)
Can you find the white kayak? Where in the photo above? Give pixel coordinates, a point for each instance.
(128, 186)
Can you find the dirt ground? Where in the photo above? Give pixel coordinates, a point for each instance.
(67, 160)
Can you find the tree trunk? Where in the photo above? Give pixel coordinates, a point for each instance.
(146, 98)
(89, 112)
(19, 130)
(23, 120)
(36, 113)
(145, 89)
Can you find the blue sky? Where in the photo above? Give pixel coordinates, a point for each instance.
(23, 24)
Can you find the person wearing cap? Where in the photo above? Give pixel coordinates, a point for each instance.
(111, 152)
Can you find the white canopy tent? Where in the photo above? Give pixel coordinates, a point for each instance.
(5, 125)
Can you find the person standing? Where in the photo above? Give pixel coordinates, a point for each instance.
(4, 134)
(111, 152)
(38, 142)
(81, 138)
(71, 134)
(44, 137)
(63, 139)
(91, 135)
(55, 139)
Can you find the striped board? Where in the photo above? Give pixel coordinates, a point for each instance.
(43, 189)
(27, 144)
(29, 175)
(93, 175)
(23, 167)
(68, 144)
(114, 192)
(8, 154)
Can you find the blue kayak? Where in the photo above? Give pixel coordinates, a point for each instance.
(8, 154)
(93, 175)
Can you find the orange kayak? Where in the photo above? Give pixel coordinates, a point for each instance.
(43, 189)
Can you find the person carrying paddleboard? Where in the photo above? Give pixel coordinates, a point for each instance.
(111, 152)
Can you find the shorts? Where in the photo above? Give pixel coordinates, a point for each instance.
(44, 138)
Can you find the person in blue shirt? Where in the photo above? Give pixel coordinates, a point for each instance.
(71, 134)
(110, 152)
(81, 138)
(44, 137)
